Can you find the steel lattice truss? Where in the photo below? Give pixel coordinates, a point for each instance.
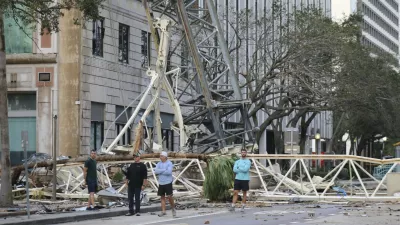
(207, 88)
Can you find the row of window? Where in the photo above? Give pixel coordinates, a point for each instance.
(97, 135)
(385, 11)
(393, 4)
(370, 44)
(97, 128)
(378, 35)
(123, 43)
(378, 20)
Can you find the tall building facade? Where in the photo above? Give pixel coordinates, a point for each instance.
(380, 26)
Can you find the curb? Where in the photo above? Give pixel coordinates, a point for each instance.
(67, 217)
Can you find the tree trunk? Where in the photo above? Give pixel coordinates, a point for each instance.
(304, 124)
(361, 145)
(333, 138)
(277, 140)
(303, 135)
(6, 198)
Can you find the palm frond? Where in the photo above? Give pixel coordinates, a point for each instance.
(219, 178)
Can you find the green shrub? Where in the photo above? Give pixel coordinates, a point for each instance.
(219, 178)
(118, 177)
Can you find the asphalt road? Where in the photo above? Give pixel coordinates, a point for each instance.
(276, 215)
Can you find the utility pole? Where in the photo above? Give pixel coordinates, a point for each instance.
(24, 143)
(54, 157)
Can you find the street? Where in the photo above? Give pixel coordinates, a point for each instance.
(278, 215)
(377, 213)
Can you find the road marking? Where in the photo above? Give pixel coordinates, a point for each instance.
(181, 218)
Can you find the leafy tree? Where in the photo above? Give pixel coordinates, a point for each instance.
(306, 63)
(293, 70)
(367, 97)
(30, 13)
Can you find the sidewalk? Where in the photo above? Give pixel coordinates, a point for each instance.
(45, 219)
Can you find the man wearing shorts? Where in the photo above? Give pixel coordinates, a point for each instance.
(242, 179)
(90, 175)
(164, 171)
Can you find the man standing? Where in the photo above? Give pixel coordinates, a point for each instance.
(164, 172)
(136, 178)
(90, 175)
(242, 179)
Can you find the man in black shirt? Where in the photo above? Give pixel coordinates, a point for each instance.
(90, 176)
(136, 178)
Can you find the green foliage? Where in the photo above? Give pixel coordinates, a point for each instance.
(367, 93)
(47, 13)
(322, 65)
(118, 177)
(219, 178)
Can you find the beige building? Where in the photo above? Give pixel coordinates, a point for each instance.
(85, 76)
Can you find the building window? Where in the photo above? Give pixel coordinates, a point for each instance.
(146, 49)
(385, 11)
(21, 102)
(168, 139)
(381, 22)
(97, 125)
(380, 37)
(18, 36)
(96, 134)
(126, 138)
(123, 52)
(147, 131)
(98, 36)
(44, 77)
(394, 4)
(121, 119)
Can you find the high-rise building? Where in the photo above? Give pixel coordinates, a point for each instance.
(245, 58)
(380, 25)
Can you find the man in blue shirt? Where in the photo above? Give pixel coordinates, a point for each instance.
(242, 179)
(164, 172)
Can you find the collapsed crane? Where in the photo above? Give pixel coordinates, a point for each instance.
(202, 86)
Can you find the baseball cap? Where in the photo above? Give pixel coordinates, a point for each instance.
(137, 154)
(164, 154)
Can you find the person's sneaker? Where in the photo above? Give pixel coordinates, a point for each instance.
(162, 214)
(137, 214)
(173, 213)
(129, 214)
(89, 208)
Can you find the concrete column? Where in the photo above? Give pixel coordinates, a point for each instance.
(108, 121)
(85, 128)
(69, 73)
(44, 120)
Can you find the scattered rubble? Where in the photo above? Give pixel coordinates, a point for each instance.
(188, 176)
